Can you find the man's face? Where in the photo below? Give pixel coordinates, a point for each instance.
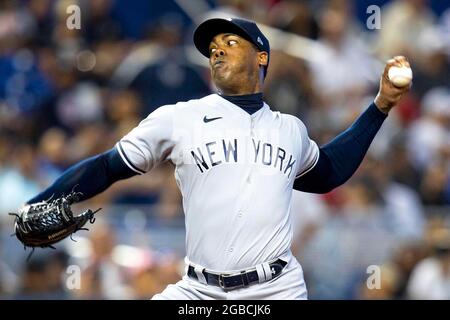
(234, 63)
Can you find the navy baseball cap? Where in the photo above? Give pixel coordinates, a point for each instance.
(247, 29)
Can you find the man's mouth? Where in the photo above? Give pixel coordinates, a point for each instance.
(218, 63)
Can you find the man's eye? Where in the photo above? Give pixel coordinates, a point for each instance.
(231, 42)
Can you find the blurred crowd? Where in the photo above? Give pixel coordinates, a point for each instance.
(67, 94)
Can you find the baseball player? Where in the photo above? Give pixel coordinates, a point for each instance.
(236, 164)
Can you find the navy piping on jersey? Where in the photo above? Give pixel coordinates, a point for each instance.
(127, 160)
(311, 166)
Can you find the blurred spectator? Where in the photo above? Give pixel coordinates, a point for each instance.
(153, 279)
(433, 68)
(15, 25)
(102, 278)
(395, 273)
(403, 261)
(42, 21)
(43, 276)
(8, 281)
(158, 189)
(354, 238)
(124, 110)
(24, 89)
(18, 182)
(403, 22)
(431, 277)
(89, 140)
(435, 184)
(342, 94)
(99, 24)
(169, 73)
(294, 16)
(428, 137)
(403, 213)
(308, 215)
(289, 86)
(389, 279)
(400, 165)
(52, 154)
(80, 105)
(254, 9)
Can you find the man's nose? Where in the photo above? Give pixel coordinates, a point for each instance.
(219, 52)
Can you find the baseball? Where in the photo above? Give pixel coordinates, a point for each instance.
(400, 76)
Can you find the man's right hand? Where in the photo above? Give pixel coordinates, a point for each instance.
(389, 95)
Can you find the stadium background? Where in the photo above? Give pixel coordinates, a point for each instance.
(69, 94)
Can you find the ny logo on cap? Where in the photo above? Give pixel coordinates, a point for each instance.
(260, 41)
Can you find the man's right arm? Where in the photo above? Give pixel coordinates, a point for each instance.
(90, 177)
(339, 159)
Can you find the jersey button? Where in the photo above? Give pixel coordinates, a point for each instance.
(240, 214)
(231, 249)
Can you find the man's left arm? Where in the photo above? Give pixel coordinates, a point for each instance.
(340, 158)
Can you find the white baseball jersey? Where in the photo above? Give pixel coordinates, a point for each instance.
(235, 172)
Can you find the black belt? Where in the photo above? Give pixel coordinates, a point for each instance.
(238, 279)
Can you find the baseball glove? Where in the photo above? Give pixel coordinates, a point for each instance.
(44, 223)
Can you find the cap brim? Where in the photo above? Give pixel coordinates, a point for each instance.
(207, 30)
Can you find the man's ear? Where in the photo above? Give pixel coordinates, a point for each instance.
(263, 58)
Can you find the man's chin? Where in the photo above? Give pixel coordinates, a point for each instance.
(221, 74)
(222, 80)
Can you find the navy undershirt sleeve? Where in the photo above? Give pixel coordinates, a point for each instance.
(340, 158)
(90, 177)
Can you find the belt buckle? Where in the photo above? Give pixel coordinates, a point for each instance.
(222, 284)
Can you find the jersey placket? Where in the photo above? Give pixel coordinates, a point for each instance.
(243, 203)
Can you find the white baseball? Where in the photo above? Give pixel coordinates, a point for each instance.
(400, 76)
